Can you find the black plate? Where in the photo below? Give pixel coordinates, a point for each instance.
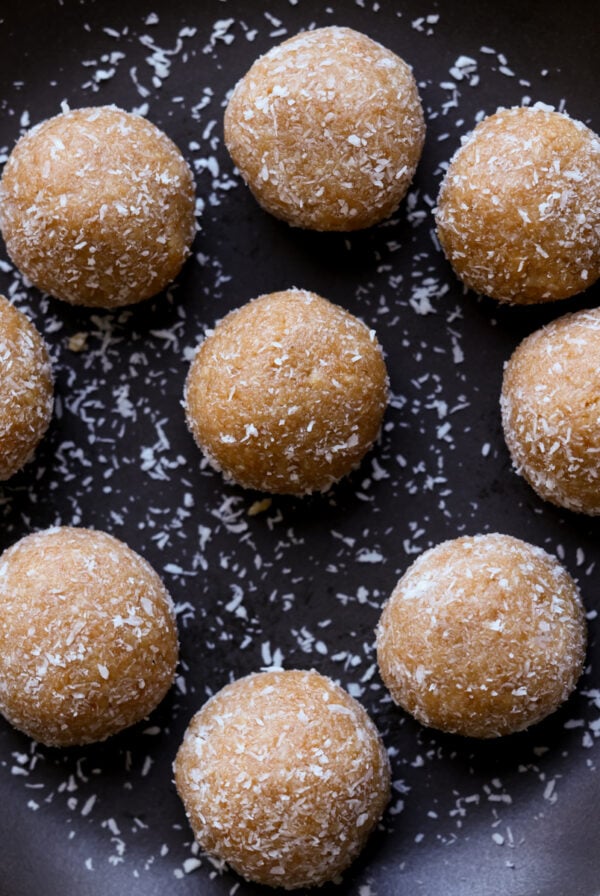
(303, 582)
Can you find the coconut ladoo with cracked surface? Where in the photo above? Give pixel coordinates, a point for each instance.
(88, 639)
(482, 636)
(518, 212)
(26, 389)
(327, 130)
(283, 775)
(550, 405)
(97, 207)
(287, 394)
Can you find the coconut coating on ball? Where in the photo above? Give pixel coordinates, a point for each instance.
(26, 389)
(327, 129)
(482, 636)
(550, 406)
(283, 775)
(287, 394)
(518, 213)
(97, 207)
(88, 640)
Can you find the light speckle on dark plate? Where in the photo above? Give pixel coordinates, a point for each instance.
(297, 583)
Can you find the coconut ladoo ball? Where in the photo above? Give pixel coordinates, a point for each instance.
(26, 389)
(518, 212)
(283, 776)
(287, 394)
(327, 129)
(550, 405)
(88, 639)
(97, 207)
(482, 636)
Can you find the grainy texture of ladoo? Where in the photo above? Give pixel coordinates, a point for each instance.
(97, 207)
(550, 406)
(283, 775)
(327, 129)
(26, 389)
(88, 640)
(482, 636)
(287, 394)
(518, 213)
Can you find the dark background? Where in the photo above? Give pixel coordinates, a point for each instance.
(302, 583)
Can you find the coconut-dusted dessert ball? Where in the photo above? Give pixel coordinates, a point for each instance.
(26, 389)
(287, 394)
(283, 775)
(518, 213)
(482, 636)
(551, 411)
(97, 207)
(327, 129)
(88, 640)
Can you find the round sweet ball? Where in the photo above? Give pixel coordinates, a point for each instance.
(518, 212)
(88, 640)
(283, 776)
(482, 636)
(26, 389)
(287, 394)
(327, 129)
(551, 411)
(97, 207)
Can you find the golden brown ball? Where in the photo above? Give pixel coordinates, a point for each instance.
(283, 775)
(287, 394)
(26, 389)
(327, 129)
(518, 213)
(88, 640)
(482, 636)
(551, 411)
(97, 207)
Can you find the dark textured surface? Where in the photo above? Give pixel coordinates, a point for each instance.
(307, 578)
